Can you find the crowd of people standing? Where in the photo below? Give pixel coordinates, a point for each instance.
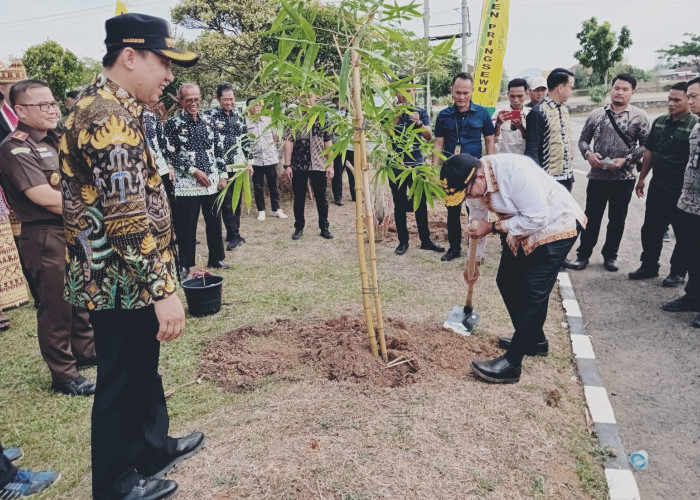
(99, 212)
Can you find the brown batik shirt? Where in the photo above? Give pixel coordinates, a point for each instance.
(120, 252)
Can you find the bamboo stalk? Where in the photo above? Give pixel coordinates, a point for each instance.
(357, 120)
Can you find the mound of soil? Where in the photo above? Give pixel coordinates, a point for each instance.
(338, 349)
(437, 223)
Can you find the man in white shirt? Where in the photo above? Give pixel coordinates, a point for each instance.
(510, 122)
(264, 157)
(538, 222)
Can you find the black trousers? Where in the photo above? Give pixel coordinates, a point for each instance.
(129, 416)
(187, 209)
(525, 283)
(169, 191)
(231, 218)
(300, 178)
(567, 183)
(337, 181)
(660, 211)
(402, 205)
(687, 231)
(260, 173)
(454, 226)
(7, 470)
(616, 195)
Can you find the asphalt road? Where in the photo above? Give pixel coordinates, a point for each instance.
(649, 358)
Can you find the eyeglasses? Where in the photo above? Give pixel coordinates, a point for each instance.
(192, 100)
(44, 106)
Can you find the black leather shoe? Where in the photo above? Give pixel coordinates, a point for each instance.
(184, 273)
(186, 447)
(541, 348)
(451, 254)
(79, 386)
(611, 265)
(219, 265)
(325, 233)
(643, 273)
(696, 322)
(86, 363)
(673, 280)
(150, 488)
(234, 243)
(401, 249)
(298, 234)
(498, 370)
(577, 265)
(338, 203)
(432, 246)
(682, 304)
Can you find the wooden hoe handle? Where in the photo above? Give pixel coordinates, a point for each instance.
(471, 263)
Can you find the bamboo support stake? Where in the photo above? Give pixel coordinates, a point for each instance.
(362, 169)
(359, 226)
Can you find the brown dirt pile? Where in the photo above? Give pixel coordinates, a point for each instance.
(337, 349)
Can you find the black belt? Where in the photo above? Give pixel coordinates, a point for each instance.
(44, 222)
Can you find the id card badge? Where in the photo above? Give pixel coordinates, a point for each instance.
(458, 149)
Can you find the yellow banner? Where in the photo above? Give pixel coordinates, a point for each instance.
(120, 8)
(493, 36)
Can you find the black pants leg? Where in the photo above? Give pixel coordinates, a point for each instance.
(567, 183)
(660, 209)
(620, 194)
(259, 187)
(231, 218)
(271, 175)
(402, 205)
(509, 279)
(537, 274)
(454, 227)
(687, 230)
(187, 210)
(300, 179)
(170, 192)
(129, 415)
(7, 470)
(318, 185)
(350, 157)
(596, 200)
(337, 181)
(212, 221)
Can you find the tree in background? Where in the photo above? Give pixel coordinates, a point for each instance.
(601, 48)
(58, 67)
(686, 52)
(440, 82)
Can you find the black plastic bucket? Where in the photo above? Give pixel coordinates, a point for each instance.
(203, 295)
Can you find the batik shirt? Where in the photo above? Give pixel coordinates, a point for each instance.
(633, 122)
(547, 138)
(690, 195)
(120, 252)
(669, 144)
(307, 152)
(233, 136)
(155, 138)
(194, 145)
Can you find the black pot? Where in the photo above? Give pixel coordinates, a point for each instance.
(203, 295)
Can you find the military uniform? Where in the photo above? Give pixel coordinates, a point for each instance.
(30, 159)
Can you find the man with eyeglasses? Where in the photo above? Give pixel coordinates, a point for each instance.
(194, 150)
(547, 139)
(30, 172)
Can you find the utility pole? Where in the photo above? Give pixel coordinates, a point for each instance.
(465, 34)
(426, 34)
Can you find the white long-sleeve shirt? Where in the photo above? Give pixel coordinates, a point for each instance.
(531, 206)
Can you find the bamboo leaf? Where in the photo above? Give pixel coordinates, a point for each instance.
(344, 76)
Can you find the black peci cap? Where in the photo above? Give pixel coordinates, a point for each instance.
(145, 32)
(455, 176)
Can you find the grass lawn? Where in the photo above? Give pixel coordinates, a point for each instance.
(294, 433)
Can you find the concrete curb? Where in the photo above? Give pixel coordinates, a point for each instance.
(621, 482)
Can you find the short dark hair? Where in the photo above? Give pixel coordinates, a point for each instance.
(20, 88)
(223, 87)
(72, 94)
(694, 81)
(683, 86)
(517, 82)
(111, 56)
(625, 77)
(462, 76)
(249, 100)
(557, 77)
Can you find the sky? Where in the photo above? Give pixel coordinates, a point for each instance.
(542, 33)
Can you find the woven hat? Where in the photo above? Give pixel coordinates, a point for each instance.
(13, 73)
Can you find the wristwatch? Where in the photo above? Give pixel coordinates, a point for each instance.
(493, 228)
(286, 166)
